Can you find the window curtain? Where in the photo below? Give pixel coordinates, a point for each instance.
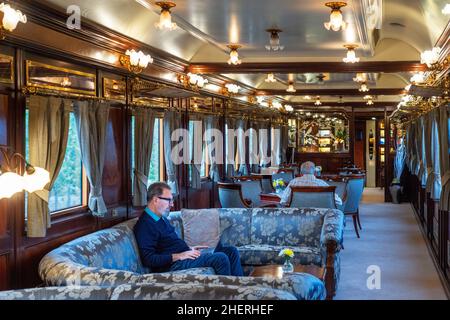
(264, 131)
(241, 126)
(420, 152)
(444, 152)
(400, 159)
(143, 142)
(170, 123)
(276, 147)
(411, 145)
(92, 119)
(231, 147)
(433, 184)
(253, 149)
(48, 133)
(197, 149)
(215, 145)
(284, 142)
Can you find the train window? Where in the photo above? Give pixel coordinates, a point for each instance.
(68, 191)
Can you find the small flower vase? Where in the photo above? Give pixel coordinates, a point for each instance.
(278, 190)
(288, 266)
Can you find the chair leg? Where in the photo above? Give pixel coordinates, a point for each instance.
(359, 221)
(354, 225)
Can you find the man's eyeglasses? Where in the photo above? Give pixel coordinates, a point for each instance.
(170, 200)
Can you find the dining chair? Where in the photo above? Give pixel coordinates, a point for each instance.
(313, 197)
(355, 188)
(230, 196)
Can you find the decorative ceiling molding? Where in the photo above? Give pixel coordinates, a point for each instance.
(305, 67)
(331, 92)
(355, 104)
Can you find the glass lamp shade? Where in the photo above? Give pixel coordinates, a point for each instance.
(290, 88)
(351, 57)
(336, 21)
(430, 57)
(11, 17)
(10, 183)
(234, 58)
(165, 21)
(37, 180)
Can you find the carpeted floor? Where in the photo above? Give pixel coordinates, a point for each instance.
(391, 240)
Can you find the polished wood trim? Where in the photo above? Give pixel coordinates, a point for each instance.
(247, 178)
(305, 67)
(355, 104)
(313, 189)
(332, 92)
(330, 283)
(230, 186)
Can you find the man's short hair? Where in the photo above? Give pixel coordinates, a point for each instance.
(307, 167)
(156, 189)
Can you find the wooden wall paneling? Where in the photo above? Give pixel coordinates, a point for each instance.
(5, 266)
(388, 164)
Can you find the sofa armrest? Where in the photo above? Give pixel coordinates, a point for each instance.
(332, 230)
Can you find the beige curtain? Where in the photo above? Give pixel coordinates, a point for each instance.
(215, 145)
(253, 150)
(197, 153)
(92, 119)
(241, 125)
(421, 156)
(231, 147)
(171, 122)
(48, 132)
(444, 144)
(433, 167)
(143, 142)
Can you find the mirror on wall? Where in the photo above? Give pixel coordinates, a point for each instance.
(323, 132)
(49, 77)
(6, 69)
(114, 89)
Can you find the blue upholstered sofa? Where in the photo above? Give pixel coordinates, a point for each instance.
(110, 257)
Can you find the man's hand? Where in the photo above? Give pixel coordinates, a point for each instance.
(191, 254)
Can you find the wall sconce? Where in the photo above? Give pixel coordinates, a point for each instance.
(274, 42)
(11, 18)
(134, 61)
(446, 9)
(351, 55)
(369, 99)
(360, 77)
(363, 87)
(290, 87)
(165, 19)
(288, 108)
(192, 80)
(33, 179)
(307, 97)
(270, 78)
(317, 102)
(418, 78)
(232, 88)
(277, 105)
(66, 82)
(234, 55)
(336, 21)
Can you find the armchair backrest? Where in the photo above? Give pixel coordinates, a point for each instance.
(266, 183)
(355, 188)
(230, 195)
(251, 188)
(313, 197)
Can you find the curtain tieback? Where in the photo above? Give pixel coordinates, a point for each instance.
(43, 194)
(96, 192)
(142, 178)
(445, 179)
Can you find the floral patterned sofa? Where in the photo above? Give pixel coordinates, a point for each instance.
(110, 257)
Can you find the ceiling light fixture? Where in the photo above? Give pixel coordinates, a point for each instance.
(270, 78)
(318, 102)
(446, 9)
(11, 18)
(336, 21)
(369, 102)
(234, 55)
(135, 61)
(360, 77)
(165, 19)
(351, 55)
(290, 87)
(307, 97)
(274, 43)
(363, 87)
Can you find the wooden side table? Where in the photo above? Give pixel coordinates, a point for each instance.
(274, 270)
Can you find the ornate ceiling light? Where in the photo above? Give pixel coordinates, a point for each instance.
(360, 77)
(270, 78)
(274, 43)
(165, 19)
(11, 18)
(336, 21)
(363, 87)
(351, 55)
(318, 102)
(134, 61)
(290, 87)
(232, 88)
(234, 55)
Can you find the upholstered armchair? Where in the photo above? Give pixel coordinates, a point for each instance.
(355, 188)
(251, 188)
(286, 174)
(230, 196)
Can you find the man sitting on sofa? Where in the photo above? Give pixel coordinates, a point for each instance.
(162, 250)
(308, 179)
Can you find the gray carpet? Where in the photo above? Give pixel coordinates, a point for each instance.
(391, 240)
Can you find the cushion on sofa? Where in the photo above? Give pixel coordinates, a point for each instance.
(234, 226)
(266, 254)
(201, 227)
